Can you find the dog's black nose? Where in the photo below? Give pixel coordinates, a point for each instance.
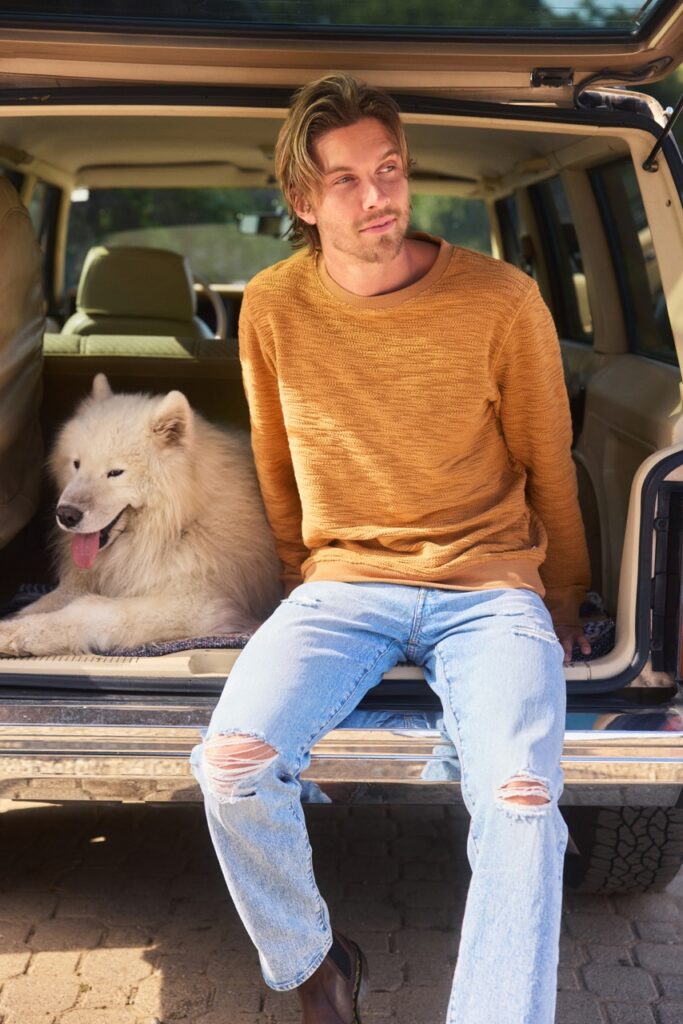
(69, 516)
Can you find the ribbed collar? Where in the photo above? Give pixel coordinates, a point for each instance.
(395, 298)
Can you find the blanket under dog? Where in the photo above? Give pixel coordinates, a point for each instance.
(599, 631)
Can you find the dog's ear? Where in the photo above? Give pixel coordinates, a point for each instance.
(173, 419)
(100, 388)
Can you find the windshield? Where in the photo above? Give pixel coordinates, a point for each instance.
(203, 224)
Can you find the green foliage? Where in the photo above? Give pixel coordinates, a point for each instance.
(461, 221)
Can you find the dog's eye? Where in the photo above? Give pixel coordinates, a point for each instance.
(77, 463)
(115, 472)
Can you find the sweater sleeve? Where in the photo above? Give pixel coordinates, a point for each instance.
(271, 450)
(536, 424)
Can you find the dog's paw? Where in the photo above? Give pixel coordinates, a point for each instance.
(11, 640)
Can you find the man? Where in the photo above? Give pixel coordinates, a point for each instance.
(412, 441)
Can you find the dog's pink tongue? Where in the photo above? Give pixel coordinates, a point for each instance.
(84, 548)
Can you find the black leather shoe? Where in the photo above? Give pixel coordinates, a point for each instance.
(333, 993)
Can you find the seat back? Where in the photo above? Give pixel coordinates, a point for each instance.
(22, 323)
(131, 290)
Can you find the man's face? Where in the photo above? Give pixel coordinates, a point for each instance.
(363, 208)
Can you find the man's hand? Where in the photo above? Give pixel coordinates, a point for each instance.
(570, 635)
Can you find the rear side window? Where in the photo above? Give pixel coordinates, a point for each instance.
(564, 260)
(635, 261)
(561, 255)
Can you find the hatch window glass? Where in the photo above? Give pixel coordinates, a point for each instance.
(635, 261)
(570, 18)
(202, 224)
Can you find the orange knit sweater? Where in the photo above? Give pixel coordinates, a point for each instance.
(419, 437)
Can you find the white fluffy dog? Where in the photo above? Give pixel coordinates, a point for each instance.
(162, 532)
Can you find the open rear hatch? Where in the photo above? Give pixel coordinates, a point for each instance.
(513, 52)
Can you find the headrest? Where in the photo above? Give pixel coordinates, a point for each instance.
(132, 281)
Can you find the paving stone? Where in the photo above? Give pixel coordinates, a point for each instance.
(176, 991)
(670, 1013)
(367, 915)
(67, 933)
(602, 928)
(578, 1008)
(672, 986)
(99, 1015)
(664, 957)
(119, 970)
(386, 972)
(38, 996)
(13, 964)
(373, 870)
(614, 982)
(567, 980)
(432, 917)
(659, 931)
(652, 906)
(618, 955)
(629, 1013)
(199, 965)
(361, 828)
(422, 1004)
(369, 848)
(572, 953)
(415, 869)
(420, 848)
(357, 892)
(417, 893)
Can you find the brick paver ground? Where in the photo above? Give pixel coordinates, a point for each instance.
(118, 915)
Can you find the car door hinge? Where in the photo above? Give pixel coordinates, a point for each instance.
(552, 78)
(639, 74)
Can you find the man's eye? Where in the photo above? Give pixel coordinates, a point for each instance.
(344, 180)
(115, 472)
(388, 168)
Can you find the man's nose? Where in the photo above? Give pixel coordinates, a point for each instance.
(374, 194)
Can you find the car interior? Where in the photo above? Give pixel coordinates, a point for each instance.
(567, 202)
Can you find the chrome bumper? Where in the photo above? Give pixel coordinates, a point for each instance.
(138, 751)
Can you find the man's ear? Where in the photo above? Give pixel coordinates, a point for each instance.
(173, 419)
(303, 209)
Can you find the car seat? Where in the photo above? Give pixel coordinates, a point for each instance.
(22, 325)
(130, 290)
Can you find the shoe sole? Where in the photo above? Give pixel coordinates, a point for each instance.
(360, 981)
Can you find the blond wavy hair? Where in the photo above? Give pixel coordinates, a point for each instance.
(335, 101)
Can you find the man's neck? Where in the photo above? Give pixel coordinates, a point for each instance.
(415, 259)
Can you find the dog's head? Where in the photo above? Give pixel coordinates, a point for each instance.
(116, 456)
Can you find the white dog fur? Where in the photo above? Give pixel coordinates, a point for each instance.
(189, 553)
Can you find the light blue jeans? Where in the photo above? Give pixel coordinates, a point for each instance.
(494, 661)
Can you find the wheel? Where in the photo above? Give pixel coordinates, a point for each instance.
(623, 849)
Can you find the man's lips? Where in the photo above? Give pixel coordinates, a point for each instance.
(378, 226)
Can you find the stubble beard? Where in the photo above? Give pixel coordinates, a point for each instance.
(386, 247)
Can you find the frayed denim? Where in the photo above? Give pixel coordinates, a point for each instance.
(494, 661)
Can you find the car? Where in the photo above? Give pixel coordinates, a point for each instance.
(127, 132)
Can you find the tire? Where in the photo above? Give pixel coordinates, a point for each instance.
(623, 849)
